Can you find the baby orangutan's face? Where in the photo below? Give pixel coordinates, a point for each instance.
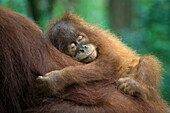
(70, 39)
(81, 49)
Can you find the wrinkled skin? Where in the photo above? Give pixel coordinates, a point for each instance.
(81, 49)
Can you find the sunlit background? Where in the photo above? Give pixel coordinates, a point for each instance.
(143, 25)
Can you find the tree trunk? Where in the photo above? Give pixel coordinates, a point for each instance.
(33, 7)
(121, 14)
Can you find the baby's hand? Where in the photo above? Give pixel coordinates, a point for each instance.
(49, 84)
(130, 86)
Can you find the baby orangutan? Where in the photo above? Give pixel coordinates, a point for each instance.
(77, 45)
(103, 57)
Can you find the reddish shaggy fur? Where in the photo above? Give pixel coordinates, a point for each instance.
(25, 54)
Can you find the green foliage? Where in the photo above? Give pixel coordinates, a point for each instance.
(16, 5)
(90, 10)
(149, 33)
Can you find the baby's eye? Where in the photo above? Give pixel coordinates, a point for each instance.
(80, 38)
(72, 46)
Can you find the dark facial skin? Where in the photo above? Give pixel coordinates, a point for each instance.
(74, 43)
(82, 50)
